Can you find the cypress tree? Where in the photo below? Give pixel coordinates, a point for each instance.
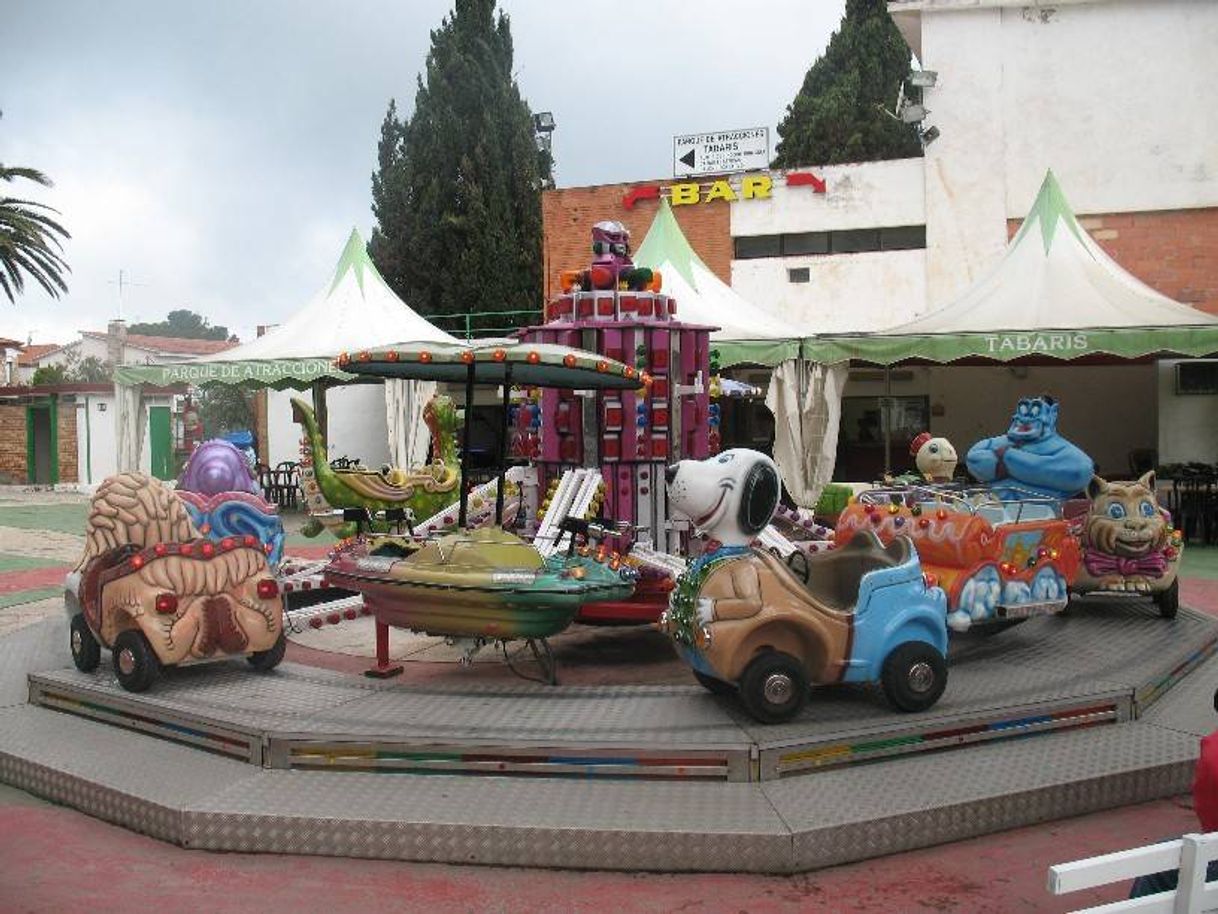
(835, 117)
(457, 191)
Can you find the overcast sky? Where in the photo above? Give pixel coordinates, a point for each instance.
(219, 153)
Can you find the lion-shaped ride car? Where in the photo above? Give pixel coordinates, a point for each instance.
(1129, 546)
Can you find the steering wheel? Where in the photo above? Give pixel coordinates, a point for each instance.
(798, 562)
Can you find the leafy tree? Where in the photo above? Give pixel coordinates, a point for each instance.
(225, 408)
(457, 191)
(91, 370)
(183, 324)
(30, 240)
(50, 374)
(74, 369)
(836, 115)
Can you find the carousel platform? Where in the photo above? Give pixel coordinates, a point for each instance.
(1052, 718)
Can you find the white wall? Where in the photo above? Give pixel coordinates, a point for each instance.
(96, 445)
(846, 292)
(356, 424)
(1116, 96)
(1188, 425)
(856, 196)
(977, 403)
(96, 436)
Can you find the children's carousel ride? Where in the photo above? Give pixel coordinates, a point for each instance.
(160, 588)
(1023, 542)
(422, 491)
(485, 585)
(746, 621)
(1129, 546)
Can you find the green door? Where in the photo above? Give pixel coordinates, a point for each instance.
(42, 443)
(160, 442)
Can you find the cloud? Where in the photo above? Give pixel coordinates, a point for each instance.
(219, 153)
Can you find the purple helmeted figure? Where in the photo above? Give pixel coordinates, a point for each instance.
(217, 466)
(611, 263)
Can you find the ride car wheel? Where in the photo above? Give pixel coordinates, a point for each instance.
(713, 685)
(774, 687)
(1168, 600)
(914, 676)
(86, 652)
(265, 661)
(135, 664)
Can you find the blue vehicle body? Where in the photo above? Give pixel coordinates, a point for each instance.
(867, 602)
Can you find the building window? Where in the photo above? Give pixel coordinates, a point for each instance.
(1199, 377)
(754, 246)
(799, 274)
(903, 238)
(843, 241)
(805, 243)
(855, 241)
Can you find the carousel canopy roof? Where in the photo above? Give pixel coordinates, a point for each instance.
(540, 364)
(355, 310)
(1054, 294)
(746, 332)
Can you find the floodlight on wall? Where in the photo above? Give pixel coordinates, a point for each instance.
(928, 136)
(543, 122)
(923, 79)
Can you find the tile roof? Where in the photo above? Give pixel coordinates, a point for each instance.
(169, 344)
(35, 351)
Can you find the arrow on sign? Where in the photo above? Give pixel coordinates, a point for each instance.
(687, 159)
(806, 178)
(650, 192)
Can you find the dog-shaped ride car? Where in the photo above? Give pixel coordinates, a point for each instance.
(745, 621)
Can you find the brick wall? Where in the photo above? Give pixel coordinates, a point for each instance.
(12, 444)
(568, 215)
(69, 471)
(1171, 251)
(13, 455)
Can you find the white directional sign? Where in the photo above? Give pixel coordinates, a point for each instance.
(721, 152)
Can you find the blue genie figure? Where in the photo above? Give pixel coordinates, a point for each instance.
(1031, 458)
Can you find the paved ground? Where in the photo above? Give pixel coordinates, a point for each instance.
(52, 858)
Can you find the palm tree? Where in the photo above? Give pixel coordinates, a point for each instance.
(30, 240)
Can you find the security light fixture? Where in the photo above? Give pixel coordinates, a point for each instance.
(923, 79)
(543, 122)
(929, 135)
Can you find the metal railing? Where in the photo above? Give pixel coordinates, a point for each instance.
(470, 323)
(1190, 855)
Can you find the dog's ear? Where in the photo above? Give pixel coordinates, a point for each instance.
(758, 497)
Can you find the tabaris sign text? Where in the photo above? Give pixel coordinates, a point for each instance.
(749, 187)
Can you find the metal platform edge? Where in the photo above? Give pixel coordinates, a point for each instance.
(805, 756)
(400, 756)
(242, 743)
(753, 760)
(210, 822)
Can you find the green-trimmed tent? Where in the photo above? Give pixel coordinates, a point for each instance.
(746, 333)
(804, 397)
(1054, 295)
(355, 310)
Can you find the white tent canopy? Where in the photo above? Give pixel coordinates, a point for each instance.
(1054, 293)
(355, 310)
(805, 399)
(745, 332)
